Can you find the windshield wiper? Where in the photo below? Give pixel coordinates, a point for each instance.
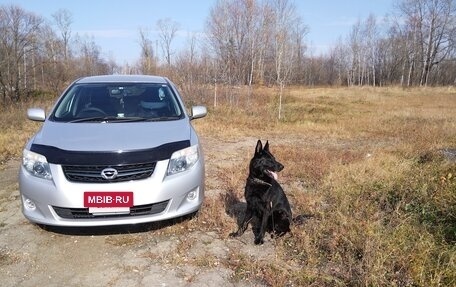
(158, 119)
(110, 119)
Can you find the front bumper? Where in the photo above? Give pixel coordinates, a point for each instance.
(59, 202)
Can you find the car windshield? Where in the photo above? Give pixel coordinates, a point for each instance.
(110, 102)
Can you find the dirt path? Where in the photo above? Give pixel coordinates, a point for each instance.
(146, 256)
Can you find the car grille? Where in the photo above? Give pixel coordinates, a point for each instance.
(83, 213)
(92, 173)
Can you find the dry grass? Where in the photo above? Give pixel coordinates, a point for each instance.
(365, 163)
(15, 127)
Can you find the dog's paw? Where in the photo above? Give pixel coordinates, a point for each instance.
(258, 241)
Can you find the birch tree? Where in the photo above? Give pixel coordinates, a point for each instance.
(284, 51)
(19, 34)
(432, 24)
(167, 30)
(147, 62)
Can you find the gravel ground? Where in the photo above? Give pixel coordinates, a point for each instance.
(31, 255)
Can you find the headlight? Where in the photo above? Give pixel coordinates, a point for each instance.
(36, 164)
(183, 160)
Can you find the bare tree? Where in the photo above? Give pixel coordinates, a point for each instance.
(256, 41)
(147, 62)
(432, 24)
(187, 71)
(248, 42)
(89, 60)
(62, 55)
(19, 32)
(363, 43)
(63, 20)
(340, 54)
(51, 61)
(371, 37)
(224, 40)
(283, 49)
(187, 65)
(357, 54)
(167, 32)
(233, 28)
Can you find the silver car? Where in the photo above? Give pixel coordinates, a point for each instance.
(114, 150)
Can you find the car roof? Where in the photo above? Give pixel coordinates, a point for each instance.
(123, 79)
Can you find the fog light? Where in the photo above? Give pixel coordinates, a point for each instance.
(29, 204)
(192, 195)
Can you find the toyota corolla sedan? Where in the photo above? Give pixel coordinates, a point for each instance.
(114, 150)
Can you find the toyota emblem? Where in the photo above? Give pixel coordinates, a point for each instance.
(109, 173)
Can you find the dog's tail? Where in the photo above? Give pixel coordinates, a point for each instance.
(300, 219)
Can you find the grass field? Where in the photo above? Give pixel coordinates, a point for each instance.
(368, 166)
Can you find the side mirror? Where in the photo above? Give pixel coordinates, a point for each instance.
(36, 114)
(198, 112)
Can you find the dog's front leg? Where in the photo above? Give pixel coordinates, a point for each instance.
(259, 238)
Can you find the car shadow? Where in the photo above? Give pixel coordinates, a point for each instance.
(116, 229)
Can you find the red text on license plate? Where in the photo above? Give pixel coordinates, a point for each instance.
(108, 199)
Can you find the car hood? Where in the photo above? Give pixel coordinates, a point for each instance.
(112, 136)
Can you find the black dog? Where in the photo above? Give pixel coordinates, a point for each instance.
(267, 203)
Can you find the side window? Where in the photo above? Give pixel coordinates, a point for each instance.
(66, 107)
(174, 105)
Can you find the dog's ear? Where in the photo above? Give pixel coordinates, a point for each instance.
(266, 146)
(259, 147)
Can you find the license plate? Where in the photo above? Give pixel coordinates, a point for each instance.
(116, 201)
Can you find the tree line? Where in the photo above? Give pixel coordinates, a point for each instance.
(246, 43)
